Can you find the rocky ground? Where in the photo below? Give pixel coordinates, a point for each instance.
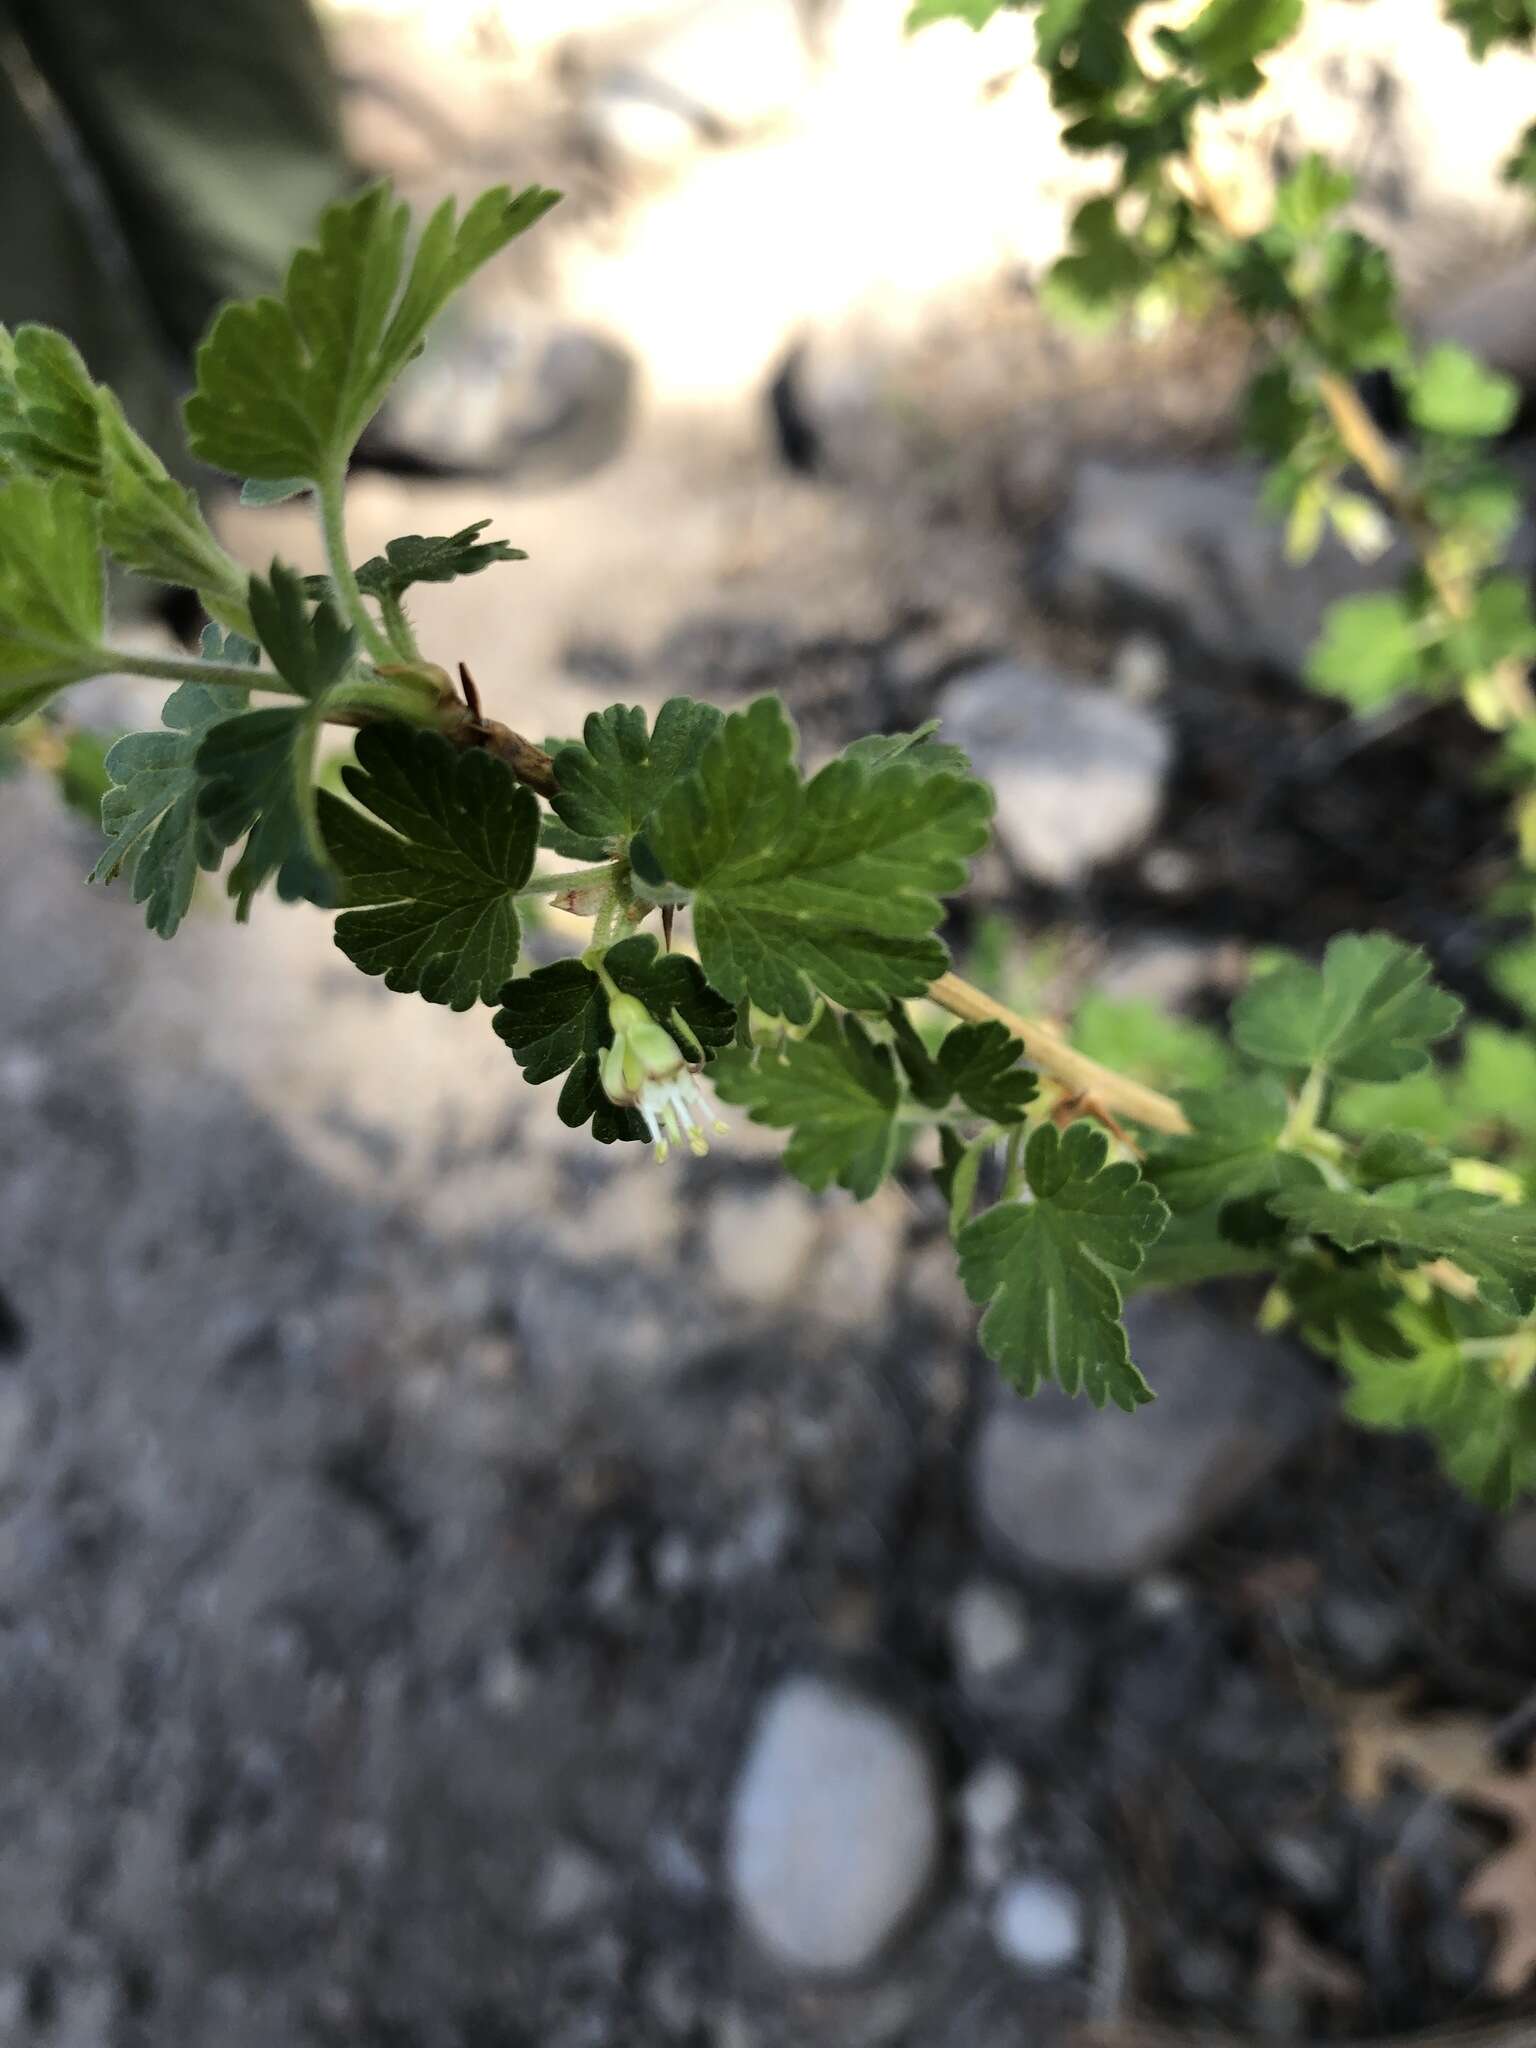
(464, 1588)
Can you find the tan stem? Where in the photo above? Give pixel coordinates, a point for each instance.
(1050, 1052)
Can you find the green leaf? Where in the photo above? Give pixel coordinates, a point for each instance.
(976, 12)
(1227, 34)
(1520, 166)
(1453, 393)
(431, 891)
(826, 886)
(980, 1063)
(1390, 1158)
(556, 1022)
(839, 1093)
(50, 592)
(918, 749)
(1496, 1087)
(157, 837)
(1485, 1431)
(1353, 316)
(1512, 970)
(1052, 1269)
(1371, 651)
(1370, 1014)
(1500, 628)
(1140, 1039)
(286, 385)
(1494, 1242)
(613, 778)
(1231, 1150)
(416, 559)
(55, 419)
(1487, 23)
(1103, 267)
(1277, 413)
(258, 768)
(1309, 198)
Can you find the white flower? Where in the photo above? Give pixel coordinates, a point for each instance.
(644, 1070)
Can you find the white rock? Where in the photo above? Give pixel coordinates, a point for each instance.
(572, 1884)
(989, 1629)
(1037, 1924)
(991, 1800)
(834, 1828)
(1078, 772)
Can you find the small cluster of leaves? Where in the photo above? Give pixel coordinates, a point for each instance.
(816, 899)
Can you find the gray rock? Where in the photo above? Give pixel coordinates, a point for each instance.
(1037, 1924)
(834, 1828)
(1107, 1496)
(1515, 1553)
(989, 1629)
(1192, 547)
(1078, 772)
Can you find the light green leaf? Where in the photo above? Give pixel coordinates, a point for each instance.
(50, 592)
(1371, 651)
(830, 886)
(1052, 1269)
(1493, 1241)
(839, 1093)
(918, 749)
(613, 778)
(1453, 393)
(976, 12)
(158, 839)
(1370, 1014)
(416, 559)
(431, 891)
(258, 768)
(1229, 1153)
(1309, 198)
(556, 1022)
(1140, 1039)
(55, 419)
(1227, 35)
(286, 385)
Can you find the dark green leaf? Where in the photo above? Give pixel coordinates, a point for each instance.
(1052, 1269)
(1231, 1150)
(556, 1022)
(829, 886)
(614, 777)
(1370, 1014)
(416, 559)
(836, 1089)
(431, 891)
(286, 385)
(1494, 1242)
(980, 1063)
(258, 768)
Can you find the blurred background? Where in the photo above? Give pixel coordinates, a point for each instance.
(461, 1587)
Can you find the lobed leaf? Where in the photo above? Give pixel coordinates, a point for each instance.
(836, 1089)
(1494, 1242)
(830, 886)
(1052, 1270)
(157, 836)
(555, 1021)
(1370, 1013)
(615, 775)
(414, 558)
(286, 385)
(431, 890)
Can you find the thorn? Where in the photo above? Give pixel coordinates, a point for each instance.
(471, 694)
(668, 912)
(1085, 1104)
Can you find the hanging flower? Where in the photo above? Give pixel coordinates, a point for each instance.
(644, 1070)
